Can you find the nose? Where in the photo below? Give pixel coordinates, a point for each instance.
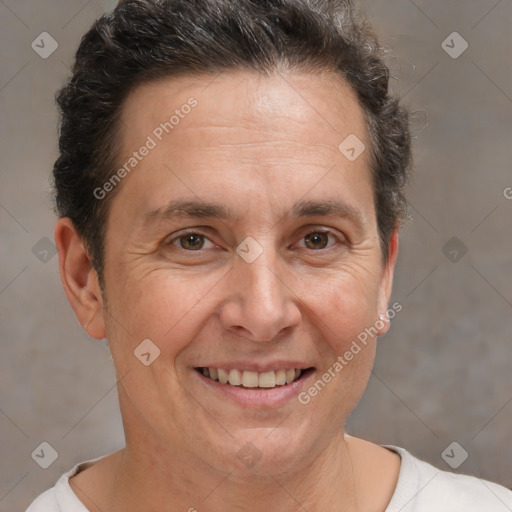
(261, 305)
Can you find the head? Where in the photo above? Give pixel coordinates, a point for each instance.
(229, 121)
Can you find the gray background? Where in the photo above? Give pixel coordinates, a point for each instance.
(443, 372)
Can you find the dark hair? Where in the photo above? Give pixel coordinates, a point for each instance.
(146, 40)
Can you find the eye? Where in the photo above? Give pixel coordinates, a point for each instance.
(194, 241)
(190, 241)
(318, 240)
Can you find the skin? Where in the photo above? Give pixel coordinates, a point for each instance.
(257, 145)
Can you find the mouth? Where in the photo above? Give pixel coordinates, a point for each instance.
(247, 379)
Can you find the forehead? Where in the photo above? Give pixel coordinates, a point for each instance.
(213, 132)
(309, 104)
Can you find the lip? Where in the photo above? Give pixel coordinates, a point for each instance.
(258, 398)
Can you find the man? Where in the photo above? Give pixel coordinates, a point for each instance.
(230, 189)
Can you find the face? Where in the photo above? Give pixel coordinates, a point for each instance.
(244, 241)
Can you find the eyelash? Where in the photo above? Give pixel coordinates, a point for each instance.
(195, 232)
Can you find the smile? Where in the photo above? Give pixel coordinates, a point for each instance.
(251, 379)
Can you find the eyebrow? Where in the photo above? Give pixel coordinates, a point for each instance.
(203, 210)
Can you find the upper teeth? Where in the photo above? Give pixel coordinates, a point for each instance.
(250, 379)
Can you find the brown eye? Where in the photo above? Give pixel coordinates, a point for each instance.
(317, 240)
(191, 242)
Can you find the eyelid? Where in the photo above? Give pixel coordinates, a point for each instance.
(173, 237)
(305, 230)
(328, 231)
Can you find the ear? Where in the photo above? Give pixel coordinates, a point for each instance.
(386, 284)
(79, 279)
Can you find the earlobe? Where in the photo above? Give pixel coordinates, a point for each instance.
(386, 285)
(79, 279)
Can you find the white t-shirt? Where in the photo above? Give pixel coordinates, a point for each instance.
(420, 488)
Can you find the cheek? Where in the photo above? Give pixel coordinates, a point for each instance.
(343, 310)
(343, 306)
(165, 307)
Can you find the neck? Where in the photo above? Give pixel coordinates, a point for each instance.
(159, 478)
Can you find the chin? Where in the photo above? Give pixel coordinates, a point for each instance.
(266, 450)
